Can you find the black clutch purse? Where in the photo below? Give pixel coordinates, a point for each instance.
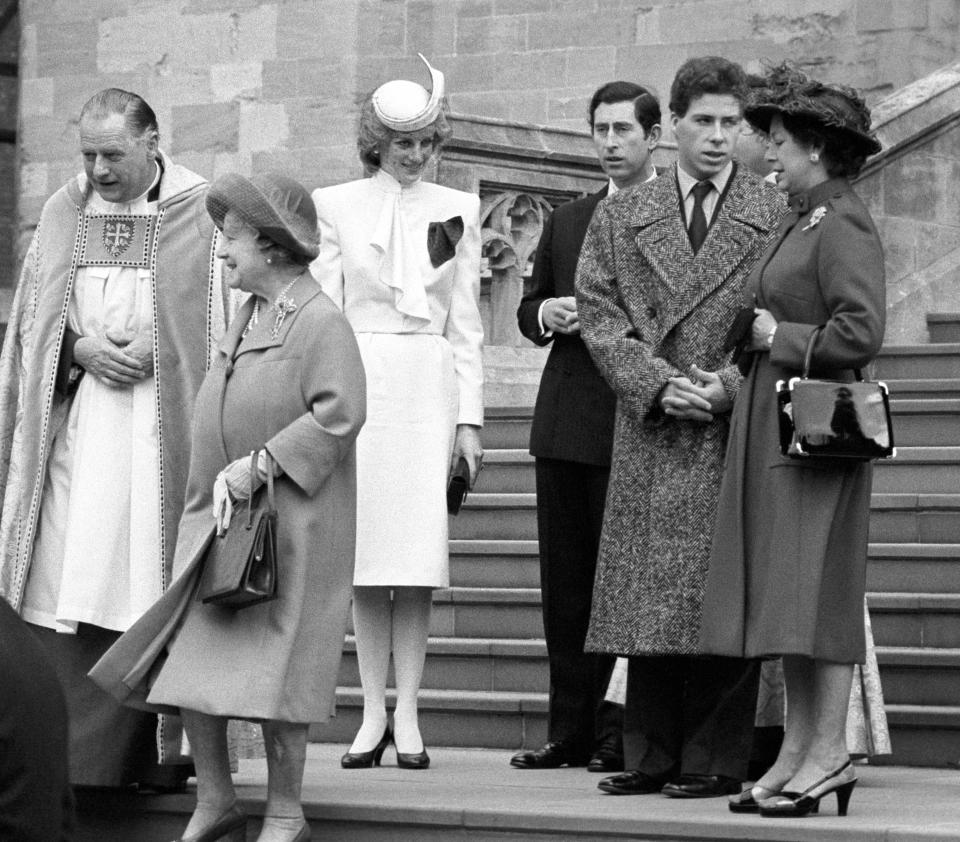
(457, 486)
(834, 421)
(240, 566)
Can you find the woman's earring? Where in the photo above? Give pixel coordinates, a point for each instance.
(814, 157)
(269, 260)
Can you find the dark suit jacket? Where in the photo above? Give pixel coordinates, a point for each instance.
(573, 419)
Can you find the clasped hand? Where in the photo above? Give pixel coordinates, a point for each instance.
(113, 364)
(695, 398)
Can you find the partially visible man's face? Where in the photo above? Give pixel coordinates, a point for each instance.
(707, 134)
(120, 165)
(623, 147)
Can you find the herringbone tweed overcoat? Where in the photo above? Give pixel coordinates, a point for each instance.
(649, 309)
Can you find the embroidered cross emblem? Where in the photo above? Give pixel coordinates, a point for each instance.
(117, 236)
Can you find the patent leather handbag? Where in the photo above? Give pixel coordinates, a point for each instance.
(833, 421)
(240, 566)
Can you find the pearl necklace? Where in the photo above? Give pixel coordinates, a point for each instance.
(282, 305)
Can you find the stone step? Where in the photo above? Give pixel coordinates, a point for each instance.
(506, 516)
(915, 619)
(919, 675)
(472, 795)
(475, 718)
(912, 361)
(914, 568)
(923, 735)
(489, 563)
(926, 422)
(506, 428)
(920, 518)
(943, 327)
(921, 389)
(470, 664)
(933, 470)
(930, 470)
(926, 412)
(897, 518)
(487, 612)
(507, 471)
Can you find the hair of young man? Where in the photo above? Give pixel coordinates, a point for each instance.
(707, 75)
(646, 108)
(138, 115)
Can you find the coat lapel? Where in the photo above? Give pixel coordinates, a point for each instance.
(687, 279)
(301, 292)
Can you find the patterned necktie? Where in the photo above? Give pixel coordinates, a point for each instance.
(698, 220)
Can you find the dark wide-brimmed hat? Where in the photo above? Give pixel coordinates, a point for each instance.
(790, 91)
(278, 207)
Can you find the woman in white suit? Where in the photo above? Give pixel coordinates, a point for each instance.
(401, 257)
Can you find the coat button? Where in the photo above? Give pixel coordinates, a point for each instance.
(651, 312)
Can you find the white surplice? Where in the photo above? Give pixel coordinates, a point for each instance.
(97, 556)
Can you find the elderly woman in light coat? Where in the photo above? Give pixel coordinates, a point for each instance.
(402, 258)
(289, 381)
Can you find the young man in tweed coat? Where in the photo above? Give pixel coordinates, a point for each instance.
(659, 282)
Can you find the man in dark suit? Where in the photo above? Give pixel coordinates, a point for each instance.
(571, 440)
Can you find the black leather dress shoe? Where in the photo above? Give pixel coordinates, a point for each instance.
(605, 760)
(551, 756)
(633, 782)
(701, 786)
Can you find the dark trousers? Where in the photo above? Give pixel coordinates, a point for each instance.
(690, 715)
(570, 500)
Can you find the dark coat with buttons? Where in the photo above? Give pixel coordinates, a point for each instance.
(783, 577)
(573, 419)
(649, 309)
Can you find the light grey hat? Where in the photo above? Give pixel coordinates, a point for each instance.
(407, 106)
(278, 207)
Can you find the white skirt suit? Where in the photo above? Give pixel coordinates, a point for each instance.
(415, 313)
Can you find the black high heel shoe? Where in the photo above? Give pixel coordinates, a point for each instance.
(420, 760)
(798, 804)
(747, 802)
(230, 827)
(366, 759)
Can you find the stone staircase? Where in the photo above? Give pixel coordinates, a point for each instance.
(486, 678)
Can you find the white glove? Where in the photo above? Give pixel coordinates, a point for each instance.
(222, 504)
(237, 477)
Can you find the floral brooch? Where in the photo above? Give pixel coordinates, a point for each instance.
(815, 217)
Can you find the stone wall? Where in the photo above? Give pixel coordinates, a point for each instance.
(250, 85)
(247, 84)
(911, 191)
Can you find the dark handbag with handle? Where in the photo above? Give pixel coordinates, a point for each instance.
(833, 421)
(240, 566)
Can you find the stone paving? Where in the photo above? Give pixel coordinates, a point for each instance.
(471, 793)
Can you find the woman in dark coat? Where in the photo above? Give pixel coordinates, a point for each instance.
(289, 381)
(788, 563)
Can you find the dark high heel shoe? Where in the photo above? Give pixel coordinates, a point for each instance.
(747, 802)
(797, 804)
(420, 760)
(230, 827)
(366, 759)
